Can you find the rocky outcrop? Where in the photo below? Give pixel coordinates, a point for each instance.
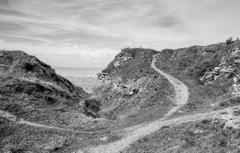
(228, 68)
(131, 88)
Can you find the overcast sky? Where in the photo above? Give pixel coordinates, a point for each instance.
(83, 33)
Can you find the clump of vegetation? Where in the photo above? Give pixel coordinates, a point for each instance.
(28, 67)
(230, 102)
(92, 107)
(229, 41)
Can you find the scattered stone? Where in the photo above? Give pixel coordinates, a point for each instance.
(104, 138)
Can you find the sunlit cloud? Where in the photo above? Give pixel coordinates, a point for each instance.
(77, 31)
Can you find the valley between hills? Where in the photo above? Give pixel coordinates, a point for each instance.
(176, 100)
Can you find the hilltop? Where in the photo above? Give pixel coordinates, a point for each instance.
(132, 91)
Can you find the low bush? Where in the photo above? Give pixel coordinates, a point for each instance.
(92, 107)
(229, 41)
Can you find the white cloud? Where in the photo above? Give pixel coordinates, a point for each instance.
(97, 29)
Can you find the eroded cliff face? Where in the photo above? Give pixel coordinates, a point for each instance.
(131, 90)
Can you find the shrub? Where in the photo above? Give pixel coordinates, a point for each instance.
(229, 41)
(28, 67)
(50, 100)
(92, 107)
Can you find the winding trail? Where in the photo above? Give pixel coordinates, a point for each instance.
(181, 90)
(137, 132)
(134, 133)
(21, 121)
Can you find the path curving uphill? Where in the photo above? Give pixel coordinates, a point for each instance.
(137, 132)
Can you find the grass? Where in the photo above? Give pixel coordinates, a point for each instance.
(23, 138)
(190, 64)
(198, 137)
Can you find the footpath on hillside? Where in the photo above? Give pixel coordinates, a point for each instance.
(136, 132)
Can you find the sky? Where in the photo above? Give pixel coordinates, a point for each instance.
(89, 33)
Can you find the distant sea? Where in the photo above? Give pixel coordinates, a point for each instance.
(78, 71)
(83, 77)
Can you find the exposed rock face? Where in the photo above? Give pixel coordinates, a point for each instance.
(131, 87)
(121, 59)
(236, 86)
(228, 66)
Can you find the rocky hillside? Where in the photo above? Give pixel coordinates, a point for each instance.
(132, 91)
(212, 73)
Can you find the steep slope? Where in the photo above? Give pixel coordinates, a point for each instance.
(28, 68)
(132, 91)
(30, 89)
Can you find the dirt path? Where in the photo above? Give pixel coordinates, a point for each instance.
(132, 134)
(181, 90)
(135, 133)
(13, 118)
